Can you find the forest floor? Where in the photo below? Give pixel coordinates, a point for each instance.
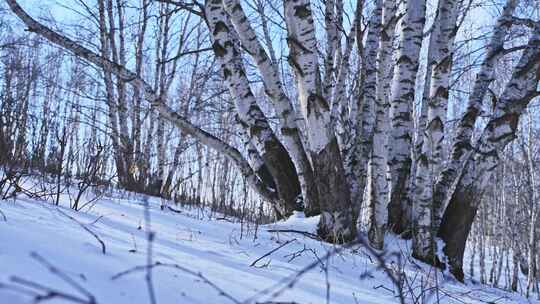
(50, 253)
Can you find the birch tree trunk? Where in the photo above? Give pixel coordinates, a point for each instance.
(344, 114)
(338, 221)
(136, 123)
(477, 171)
(533, 216)
(378, 196)
(371, 110)
(462, 145)
(273, 153)
(402, 98)
(118, 55)
(425, 212)
(110, 96)
(281, 103)
(516, 250)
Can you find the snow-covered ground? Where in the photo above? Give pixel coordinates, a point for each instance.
(202, 258)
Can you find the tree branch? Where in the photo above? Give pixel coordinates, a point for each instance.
(150, 95)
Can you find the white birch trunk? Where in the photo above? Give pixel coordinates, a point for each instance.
(280, 101)
(275, 156)
(401, 101)
(378, 196)
(425, 212)
(462, 146)
(346, 122)
(110, 96)
(533, 216)
(478, 169)
(338, 221)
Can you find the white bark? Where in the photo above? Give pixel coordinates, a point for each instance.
(478, 169)
(280, 101)
(136, 123)
(304, 61)
(533, 215)
(346, 122)
(462, 146)
(228, 54)
(402, 98)
(378, 195)
(369, 94)
(426, 214)
(112, 113)
(338, 221)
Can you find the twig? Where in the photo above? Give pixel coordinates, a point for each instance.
(103, 248)
(3, 216)
(149, 240)
(199, 275)
(174, 210)
(60, 274)
(44, 293)
(49, 292)
(19, 289)
(296, 254)
(290, 281)
(96, 220)
(383, 287)
(308, 234)
(327, 280)
(224, 219)
(272, 251)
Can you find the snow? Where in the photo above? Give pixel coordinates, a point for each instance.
(197, 241)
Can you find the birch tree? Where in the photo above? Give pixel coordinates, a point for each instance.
(401, 99)
(337, 219)
(424, 210)
(479, 167)
(319, 132)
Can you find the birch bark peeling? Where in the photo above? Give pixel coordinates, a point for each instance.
(149, 94)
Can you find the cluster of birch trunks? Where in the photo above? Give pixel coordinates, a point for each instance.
(346, 114)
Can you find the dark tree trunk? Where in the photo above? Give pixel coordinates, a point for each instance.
(399, 205)
(455, 227)
(280, 166)
(337, 223)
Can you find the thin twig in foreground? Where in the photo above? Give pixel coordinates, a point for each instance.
(289, 282)
(3, 216)
(305, 233)
(149, 240)
(272, 251)
(49, 293)
(199, 275)
(41, 293)
(64, 277)
(103, 248)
